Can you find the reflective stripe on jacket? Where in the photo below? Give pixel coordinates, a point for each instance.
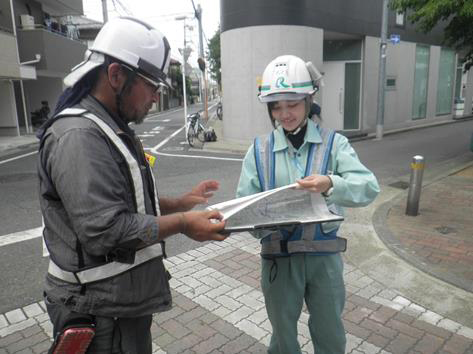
(88, 202)
(304, 238)
(114, 268)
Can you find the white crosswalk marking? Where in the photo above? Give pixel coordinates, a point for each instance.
(21, 236)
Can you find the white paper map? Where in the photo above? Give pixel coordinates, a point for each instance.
(273, 208)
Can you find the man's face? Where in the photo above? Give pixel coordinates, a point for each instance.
(137, 100)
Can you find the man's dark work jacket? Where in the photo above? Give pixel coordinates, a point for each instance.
(88, 204)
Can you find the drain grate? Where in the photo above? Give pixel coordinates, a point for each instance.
(445, 230)
(400, 185)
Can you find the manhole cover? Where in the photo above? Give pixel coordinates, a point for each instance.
(444, 230)
(400, 185)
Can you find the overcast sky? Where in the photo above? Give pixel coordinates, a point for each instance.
(161, 14)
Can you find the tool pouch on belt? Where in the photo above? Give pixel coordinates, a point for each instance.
(76, 335)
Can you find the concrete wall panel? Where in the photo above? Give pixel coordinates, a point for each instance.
(9, 66)
(7, 108)
(370, 83)
(400, 64)
(245, 52)
(433, 82)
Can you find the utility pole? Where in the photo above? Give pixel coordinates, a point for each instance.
(184, 52)
(198, 15)
(382, 72)
(104, 11)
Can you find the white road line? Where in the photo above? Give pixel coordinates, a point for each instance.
(18, 157)
(155, 149)
(20, 236)
(165, 141)
(198, 156)
(161, 114)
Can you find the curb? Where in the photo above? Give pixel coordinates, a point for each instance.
(11, 151)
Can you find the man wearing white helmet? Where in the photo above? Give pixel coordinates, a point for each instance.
(303, 263)
(105, 223)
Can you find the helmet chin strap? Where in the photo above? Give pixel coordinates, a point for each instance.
(308, 101)
(298, 129)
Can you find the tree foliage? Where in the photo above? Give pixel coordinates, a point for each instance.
(175, 73)
(457, 15)
(213, 56)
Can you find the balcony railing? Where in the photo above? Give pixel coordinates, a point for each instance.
(59, 52)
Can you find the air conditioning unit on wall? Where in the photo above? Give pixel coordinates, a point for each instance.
(27, 21)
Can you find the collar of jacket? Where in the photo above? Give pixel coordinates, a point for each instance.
(94, 106)
(312, 135)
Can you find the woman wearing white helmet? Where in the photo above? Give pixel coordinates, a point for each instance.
(303, 263)
(104, 222)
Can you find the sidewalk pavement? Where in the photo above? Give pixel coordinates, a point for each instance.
(408, 282)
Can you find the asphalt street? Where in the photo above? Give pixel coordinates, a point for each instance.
(178, 168)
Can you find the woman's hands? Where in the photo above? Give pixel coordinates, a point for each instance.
(315, 183)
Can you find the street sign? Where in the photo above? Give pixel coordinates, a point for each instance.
(395, 38)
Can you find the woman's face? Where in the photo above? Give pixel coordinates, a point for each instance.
(290, 114)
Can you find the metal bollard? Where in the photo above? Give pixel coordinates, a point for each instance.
(415, 185)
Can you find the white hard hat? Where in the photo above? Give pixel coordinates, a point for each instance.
(288, 78)
(132, 42)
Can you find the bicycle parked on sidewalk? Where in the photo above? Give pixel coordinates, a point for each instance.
(195, 129)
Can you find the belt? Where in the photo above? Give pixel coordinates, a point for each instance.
(335, 245)
(107, 270)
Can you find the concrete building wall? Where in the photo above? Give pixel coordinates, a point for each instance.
(369, 99)
(360, 17)
(245, 52)
(400, 65)
(5, 16)
(58, 53)
(8, 123)
(9, 65)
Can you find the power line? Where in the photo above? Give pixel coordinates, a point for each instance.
(128, 12)
(195, 10)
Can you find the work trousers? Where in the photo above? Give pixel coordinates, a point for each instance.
(318, 280)
(112, 335)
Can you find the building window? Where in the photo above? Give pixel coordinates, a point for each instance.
(446, 81)
(335, 50)
(421, 80)
(400, 19)
(390, 83)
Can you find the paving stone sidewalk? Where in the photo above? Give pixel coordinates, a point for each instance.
(219, 308)
(438, 240)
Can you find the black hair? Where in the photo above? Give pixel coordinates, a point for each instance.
(73, 95)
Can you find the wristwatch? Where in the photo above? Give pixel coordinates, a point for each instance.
(328, 192)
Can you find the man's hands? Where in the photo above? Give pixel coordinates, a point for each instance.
(315, 183)
(197, 225)
(200, 194)
(202, 225)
